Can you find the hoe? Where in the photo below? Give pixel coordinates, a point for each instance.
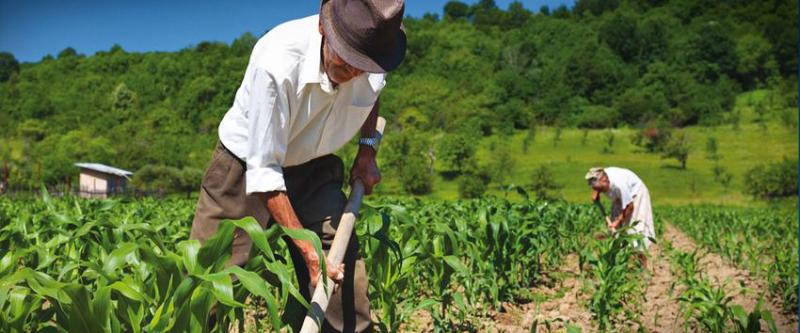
(322, 294)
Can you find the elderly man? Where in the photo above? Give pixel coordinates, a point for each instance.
(310, 85)
(629, 197)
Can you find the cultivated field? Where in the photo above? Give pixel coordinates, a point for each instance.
(477, 265)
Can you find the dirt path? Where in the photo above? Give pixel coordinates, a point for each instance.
(563, 306)
(660, 313)
(737, 281)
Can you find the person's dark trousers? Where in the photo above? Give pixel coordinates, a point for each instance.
(315, 192)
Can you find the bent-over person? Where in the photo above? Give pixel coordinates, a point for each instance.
(310, 85)
(630, 201)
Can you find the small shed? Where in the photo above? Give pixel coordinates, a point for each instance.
(101, 181)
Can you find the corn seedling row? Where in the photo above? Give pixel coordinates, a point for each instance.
(128, 266)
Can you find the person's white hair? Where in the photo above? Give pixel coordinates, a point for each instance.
(593, 176)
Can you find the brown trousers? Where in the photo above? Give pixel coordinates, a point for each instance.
(315, 192)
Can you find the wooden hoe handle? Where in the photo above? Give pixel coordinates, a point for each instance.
(319, 301)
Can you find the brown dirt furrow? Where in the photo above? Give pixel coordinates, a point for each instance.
(556, 311)
(745, 289)
(660, 312)
(565, 301)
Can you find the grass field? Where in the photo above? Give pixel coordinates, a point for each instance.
(569, 159)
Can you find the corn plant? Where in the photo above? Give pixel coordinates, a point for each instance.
(708, 308)
(391, 266)
(79, 265)
(759, 240)
(614, 277)
(84, 266)
(467, 257)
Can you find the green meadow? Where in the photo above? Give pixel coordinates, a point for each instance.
(569, 159)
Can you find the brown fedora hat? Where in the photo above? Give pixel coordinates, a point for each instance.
(367, 34)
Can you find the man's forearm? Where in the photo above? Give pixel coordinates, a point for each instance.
(368, 128)
(628, 211)
(625, 215)
(280, 209)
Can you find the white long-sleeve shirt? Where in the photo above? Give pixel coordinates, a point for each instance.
(624, 185)
(286, 111)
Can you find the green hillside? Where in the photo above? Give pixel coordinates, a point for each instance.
(479, 74)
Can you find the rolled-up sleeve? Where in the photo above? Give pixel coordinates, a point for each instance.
(268, 113)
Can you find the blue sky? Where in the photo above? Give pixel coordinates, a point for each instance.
(34, 28)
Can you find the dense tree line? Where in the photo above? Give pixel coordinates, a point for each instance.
(476, 70)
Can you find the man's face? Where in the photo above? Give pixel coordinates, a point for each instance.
(602, 184)
(337, 69)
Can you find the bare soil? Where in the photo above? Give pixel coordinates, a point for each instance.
(745, 289)
(660, 309)
(562, 301)
(563, 306)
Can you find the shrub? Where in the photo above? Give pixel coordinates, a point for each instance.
(543, 184)
(473, 185)
(502, 166)
(160, 179)
(597, 116)
(608, 140)
(712, 151)
(416, 176)
(677, 148)
(770, 181)
(722, 176)
(652, 138)
(455, 151)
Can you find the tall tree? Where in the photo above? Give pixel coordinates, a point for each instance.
(8, 66)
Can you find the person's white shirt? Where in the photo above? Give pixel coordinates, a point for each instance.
(286, 111)
(624, 185)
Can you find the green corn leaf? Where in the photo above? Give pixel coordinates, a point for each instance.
(573, 329)
(221, 288)
(189, 250)
(217, 249)
(161, 318)
(7, 263)
(257, 235)
(201, 302)
(21, 306)
(81, 317)
(767, 316)
(101, 307)
(456, 264)
(284, 276)
(128, 291)
(257, 286)
(118, 257)
(308, 235)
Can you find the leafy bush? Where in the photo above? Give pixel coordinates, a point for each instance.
(677, 148)
(473, 185)
(455, 151)
(8, 66)
(712, 150)
(544, 185)
(163, 179)
(597, 117)
(416, 176)
(722, 176)
(769, 181)
(608, 140)
(652, 138)
(502, 166)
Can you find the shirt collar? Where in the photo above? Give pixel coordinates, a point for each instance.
(312, 71)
